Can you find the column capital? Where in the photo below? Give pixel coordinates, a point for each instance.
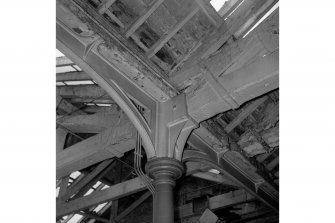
(164, 170)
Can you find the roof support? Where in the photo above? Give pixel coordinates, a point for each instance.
(63, 186)
(92, 62)
(73, 76)
(160, 43)
(90, 184)
(143, 18)
(228, 199)
(81, 91)
(106, 118)
(89, 177)
(218, 178)
(114, 192)
(60, 139)
(245, 113)
(112, 142)
(218, 202)
(227, 167)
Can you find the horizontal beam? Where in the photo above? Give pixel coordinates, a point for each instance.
(82, 91)
(253, 79)
(217, 202)
(87, 100)
(105, 118)
(112, 142)
(73, 76)
(229, 54)
(250, 81)
(229, 199)
(218, 178)
(112, 193)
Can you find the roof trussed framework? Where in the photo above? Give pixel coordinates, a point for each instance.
(224, 61)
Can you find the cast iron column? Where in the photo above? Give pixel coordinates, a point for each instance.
(164, 171)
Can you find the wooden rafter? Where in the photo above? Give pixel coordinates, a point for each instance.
(218, 178)
(89, 177)
(60, 139)
(132, 28)
(164, 39)
(89, 185)
(63, 186)
(245, 113)
(73, 76)
(112, 142)
(114, 192)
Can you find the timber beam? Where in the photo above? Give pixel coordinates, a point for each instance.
(105, 118)
(265, 193)
(112, 193)
(89, 177)
(73, 76)
(114, 141)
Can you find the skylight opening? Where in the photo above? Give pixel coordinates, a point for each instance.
(74, 175)
(59, 54)
(59, 83)
(57, 191)
(104, 105)
(263, 18)
(98, 104)
(96, 185)
(75, 218)
(90, 104)
(99, 207)
(65, 69)
(217, 4)
(77, 68)
(88, 192)
(105, 187)
(78, 82)
(214, 171)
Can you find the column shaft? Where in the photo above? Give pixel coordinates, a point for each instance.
(164, 171)
(163, 209)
